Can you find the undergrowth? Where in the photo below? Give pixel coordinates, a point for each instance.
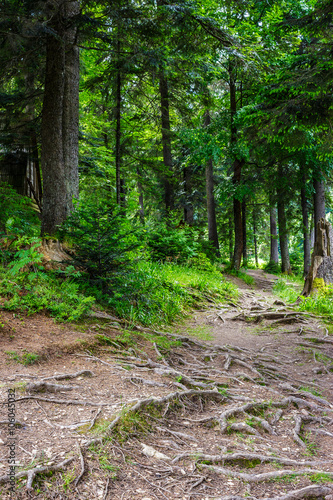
(249, 280)
(320, 302)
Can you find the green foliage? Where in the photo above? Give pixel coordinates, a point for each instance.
(169, 244)
(26, 358)
(32, 292)
(17, 215)
(249, 280)
(104, 240)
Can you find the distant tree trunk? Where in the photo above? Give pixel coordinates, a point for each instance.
(254, 220)
(188, 206)
(231, 243)
(318, 202)
(274, 254)
(237, 168)
(306, 233)
(166, 142)
(244, 233)
(59, 129)
(211, 214)
(283, 233)
(140, 190)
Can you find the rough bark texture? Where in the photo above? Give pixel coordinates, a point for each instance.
(237, 168)
(211, 214)
(322, 257)
(306, 233)
(244, 233)
(318, 202)
(166, 142)
(230, 235)
(274, 254)
(283, 233)
(52, 154)
(254, 220)
(71, 105)
(117, 112)
(59, 130)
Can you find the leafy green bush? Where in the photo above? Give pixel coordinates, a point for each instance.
(170, 244)
(296, 261)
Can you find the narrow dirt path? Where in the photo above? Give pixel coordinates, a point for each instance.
(235, 404)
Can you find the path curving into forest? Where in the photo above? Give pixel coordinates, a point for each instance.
(235, 403)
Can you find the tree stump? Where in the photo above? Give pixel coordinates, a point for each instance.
(322, 258)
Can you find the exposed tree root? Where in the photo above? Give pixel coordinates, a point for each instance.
(313, 491)
(264, 476)
(64, 376)
(43, 386)
(32, 473)
(62, 401)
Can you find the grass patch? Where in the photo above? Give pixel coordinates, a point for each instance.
(249, 280)
(26, 358)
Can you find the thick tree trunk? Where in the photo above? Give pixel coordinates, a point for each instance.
(318, 202)
(321, 269)
(166, 142)
(237, 168)
(283, 232)
(255, 242)
(244, 233)
(52, 153)
(211, 214)
(274, 254)
(71, 105)
(306, 233)
(188, 206)
(59, 129)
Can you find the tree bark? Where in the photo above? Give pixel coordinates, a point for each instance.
(274, 254)
(306, 233)
(231, 242)
(318, 202)
(59, 129)
(244, 233)
(211, 213)
(283, 232)
(321, 268)
(166, 142)
(71, 105)
(254, 219)
(188, 206)
(237, 169)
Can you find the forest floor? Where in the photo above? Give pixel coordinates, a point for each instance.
(234, 403)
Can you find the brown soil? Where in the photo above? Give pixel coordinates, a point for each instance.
(245, 357)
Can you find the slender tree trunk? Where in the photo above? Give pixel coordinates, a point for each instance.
(166, 142)
(274, 254)
(283, 233)
(255, 242)
(211, 214)
(237, 168)
(231, 242)
(140, 190)
(188, 206)
(306, 233)
(244, 233)
(59, 129)
(319, 202)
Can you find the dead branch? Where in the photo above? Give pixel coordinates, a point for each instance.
(313, 491)
(94, 419)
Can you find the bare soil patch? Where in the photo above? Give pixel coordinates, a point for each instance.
(229, 405)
